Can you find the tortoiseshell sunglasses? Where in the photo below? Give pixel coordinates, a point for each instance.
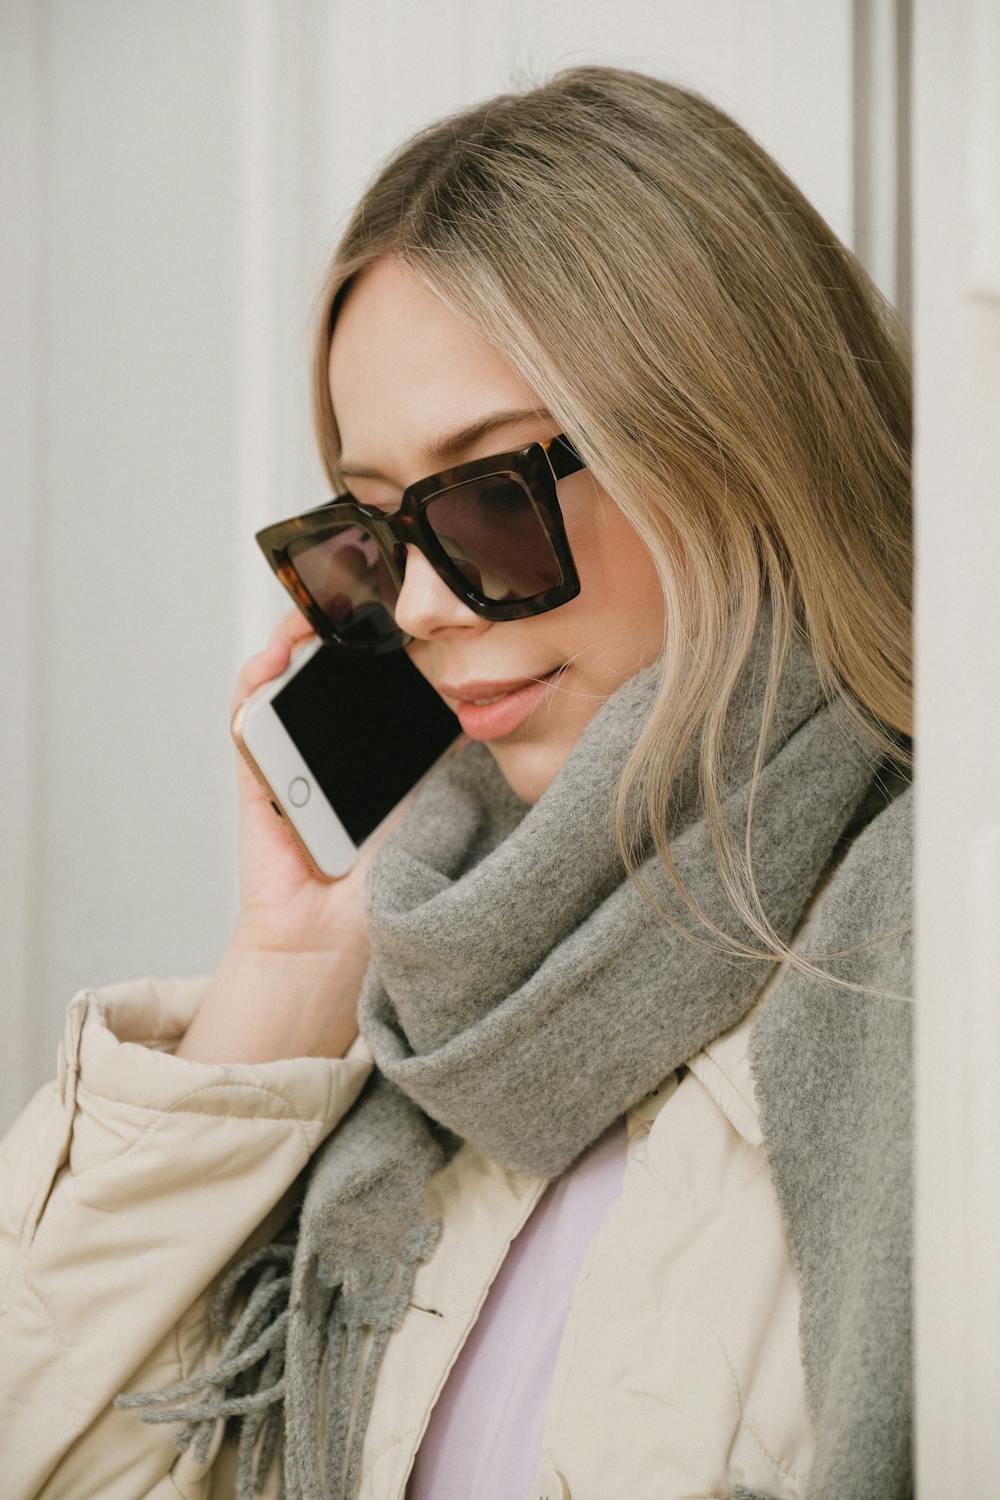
(491, 529)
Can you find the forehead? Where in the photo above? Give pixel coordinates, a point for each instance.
(402, 364)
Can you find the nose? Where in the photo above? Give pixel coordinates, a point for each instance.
(426, 605)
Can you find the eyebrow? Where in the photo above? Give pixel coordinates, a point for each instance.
(444, 449)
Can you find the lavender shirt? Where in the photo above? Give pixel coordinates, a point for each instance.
(485, 1432)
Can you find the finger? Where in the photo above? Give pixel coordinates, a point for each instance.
(292, 627)
(259, 669)
(291, 630)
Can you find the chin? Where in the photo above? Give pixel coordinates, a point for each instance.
(529, 769)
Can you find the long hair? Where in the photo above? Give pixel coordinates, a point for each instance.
(730, 374)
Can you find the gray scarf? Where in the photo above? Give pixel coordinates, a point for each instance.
(522, 995)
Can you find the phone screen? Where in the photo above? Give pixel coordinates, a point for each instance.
(368, 726)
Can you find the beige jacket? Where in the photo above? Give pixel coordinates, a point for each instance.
(132, 1179)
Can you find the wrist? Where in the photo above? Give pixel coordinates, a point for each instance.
(266, 1004)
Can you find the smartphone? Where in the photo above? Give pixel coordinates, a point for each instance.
(336, 740)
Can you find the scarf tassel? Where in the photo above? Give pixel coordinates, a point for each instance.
(257, 1338)
(269, 1369)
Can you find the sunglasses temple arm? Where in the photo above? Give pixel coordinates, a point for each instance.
(563, 457)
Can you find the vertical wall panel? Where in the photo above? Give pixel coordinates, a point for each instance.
(957, 915)
(21, 497)
(260, 372)
(881, 144)
(138, 277)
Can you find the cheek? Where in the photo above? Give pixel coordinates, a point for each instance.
(618, 577)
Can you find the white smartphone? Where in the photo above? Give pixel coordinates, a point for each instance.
(336, 740)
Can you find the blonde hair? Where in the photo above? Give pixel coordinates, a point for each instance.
(742, 392)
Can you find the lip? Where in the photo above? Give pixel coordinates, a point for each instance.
(493, 721)
(465, 692)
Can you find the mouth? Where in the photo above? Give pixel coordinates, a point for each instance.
(481, 690)
(492, 710)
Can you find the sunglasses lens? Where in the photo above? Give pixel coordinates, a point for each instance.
(493, 533)
(348, 578)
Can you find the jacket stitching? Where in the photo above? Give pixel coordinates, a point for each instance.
(76, 1419)
(555, 1402)
(161, 1113)
(658, 1308)
(42, 1186)
(706, 1197)
(748, 1104)
(783, 1468)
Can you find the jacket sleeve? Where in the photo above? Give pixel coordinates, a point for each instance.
(126, 1186)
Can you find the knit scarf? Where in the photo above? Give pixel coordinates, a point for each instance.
(521, 996)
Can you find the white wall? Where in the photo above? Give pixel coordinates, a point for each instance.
(122, 308)
(957, 912)
(177, 171)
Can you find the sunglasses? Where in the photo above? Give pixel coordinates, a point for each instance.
(491, 529)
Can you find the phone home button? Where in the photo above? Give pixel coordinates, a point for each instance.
(298, 791)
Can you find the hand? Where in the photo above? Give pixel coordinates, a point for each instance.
(289, 982)
(284, 907)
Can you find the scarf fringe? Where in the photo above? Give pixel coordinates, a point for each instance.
(268, 1372)
(257, 1337)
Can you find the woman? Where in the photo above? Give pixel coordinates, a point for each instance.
(609, 1198)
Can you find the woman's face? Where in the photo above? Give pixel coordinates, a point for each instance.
(406, 373)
